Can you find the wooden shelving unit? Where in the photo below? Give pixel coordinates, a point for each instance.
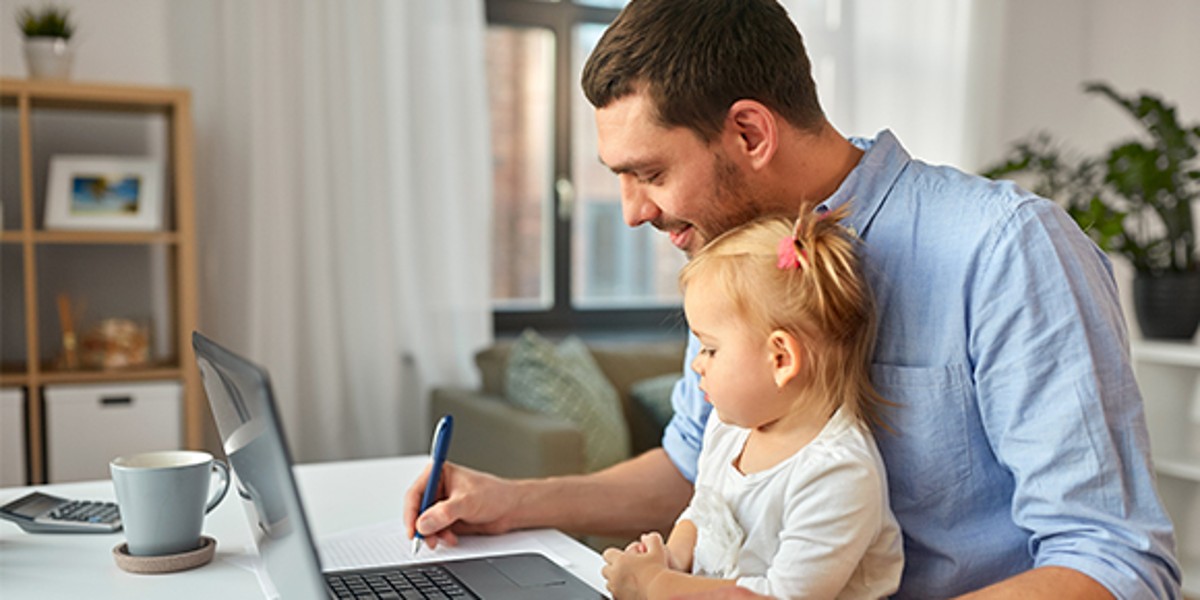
(28, 237)
(1169, 377)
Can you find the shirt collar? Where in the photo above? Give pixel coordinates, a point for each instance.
(869, 182)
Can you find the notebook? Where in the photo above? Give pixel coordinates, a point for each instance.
(243, 406)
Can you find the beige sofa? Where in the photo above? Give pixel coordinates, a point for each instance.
(496, 436)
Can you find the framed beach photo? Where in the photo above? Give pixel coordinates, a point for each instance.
(104, 192)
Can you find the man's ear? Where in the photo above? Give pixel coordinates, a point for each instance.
(754, 131)
(785, 354)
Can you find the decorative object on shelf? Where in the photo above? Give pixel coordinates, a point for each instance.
(66, 318)
(104, 192)
(48, 52)
(116, 344)
(1136, 200)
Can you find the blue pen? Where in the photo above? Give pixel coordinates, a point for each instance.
(441, 445)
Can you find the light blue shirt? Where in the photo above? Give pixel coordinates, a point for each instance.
(1020, 439)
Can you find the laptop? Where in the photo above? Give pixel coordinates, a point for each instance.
(243, 407)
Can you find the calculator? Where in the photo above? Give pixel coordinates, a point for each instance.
(42, 513)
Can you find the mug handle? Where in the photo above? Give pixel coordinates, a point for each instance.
(224, 470)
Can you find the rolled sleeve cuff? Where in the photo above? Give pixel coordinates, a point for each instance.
(1120, 578)
(684, 454)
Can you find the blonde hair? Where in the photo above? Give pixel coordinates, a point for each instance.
(824, 302)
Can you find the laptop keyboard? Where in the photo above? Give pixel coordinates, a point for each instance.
(411, 581)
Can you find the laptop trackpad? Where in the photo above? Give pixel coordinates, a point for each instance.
(529, 570)
(515, 577)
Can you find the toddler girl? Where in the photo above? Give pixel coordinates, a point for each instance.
(791, 496)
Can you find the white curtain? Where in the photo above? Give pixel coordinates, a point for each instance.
(926, 69)
(343, 203)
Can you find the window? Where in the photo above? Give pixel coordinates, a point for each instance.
(562, 257)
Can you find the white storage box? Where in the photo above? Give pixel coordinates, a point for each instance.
(89, 425)
(12, 437)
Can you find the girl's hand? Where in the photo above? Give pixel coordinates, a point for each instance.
(630, 571)
(729, 593)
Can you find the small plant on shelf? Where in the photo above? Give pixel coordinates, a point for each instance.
(49, 22)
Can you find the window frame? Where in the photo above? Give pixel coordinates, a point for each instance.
(561, 316)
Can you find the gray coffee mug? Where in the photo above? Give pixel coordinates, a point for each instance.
(163, 497)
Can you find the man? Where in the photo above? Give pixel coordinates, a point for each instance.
(1018, 466)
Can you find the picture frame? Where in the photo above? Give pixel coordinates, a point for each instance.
(115, 193)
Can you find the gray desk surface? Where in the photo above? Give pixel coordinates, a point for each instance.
(338, 496)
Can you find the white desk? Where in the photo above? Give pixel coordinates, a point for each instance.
(337, 496)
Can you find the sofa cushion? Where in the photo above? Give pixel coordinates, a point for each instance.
(653, 396)
(565, 381)
(492, 362)
(627, 363)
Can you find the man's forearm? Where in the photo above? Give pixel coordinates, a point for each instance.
(1058, 583)
(642, 494)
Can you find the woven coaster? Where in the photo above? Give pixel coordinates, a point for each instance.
(169, 563)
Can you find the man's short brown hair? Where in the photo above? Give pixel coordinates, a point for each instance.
(695, 58)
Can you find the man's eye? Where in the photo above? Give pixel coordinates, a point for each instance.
(651, 178)
(709, 352)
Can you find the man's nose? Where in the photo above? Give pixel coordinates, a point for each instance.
(636, 206)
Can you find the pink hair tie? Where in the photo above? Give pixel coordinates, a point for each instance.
(789, 255)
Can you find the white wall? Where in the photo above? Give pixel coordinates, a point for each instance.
(1052, 47)
(1044, 51)
(117, 41)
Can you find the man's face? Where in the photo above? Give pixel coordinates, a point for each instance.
(671, 179)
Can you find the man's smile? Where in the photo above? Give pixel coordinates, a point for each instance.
(682, 238)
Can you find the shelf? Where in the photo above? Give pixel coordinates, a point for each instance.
(1179, 468)
(90, 96)
(105, 237)
(13, 379)
(1183, 354)
(80, 261)
(93, 237)
(85, 376)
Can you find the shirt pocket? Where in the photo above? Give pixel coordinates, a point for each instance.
(928, 450)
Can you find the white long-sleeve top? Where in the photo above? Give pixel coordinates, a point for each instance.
(816, 525)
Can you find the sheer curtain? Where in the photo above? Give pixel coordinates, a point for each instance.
(344, 200)
(926, 69)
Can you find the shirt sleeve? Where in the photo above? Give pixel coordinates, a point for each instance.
(1062, 409)
(684, 433)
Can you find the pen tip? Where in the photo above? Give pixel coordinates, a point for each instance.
(416, 545)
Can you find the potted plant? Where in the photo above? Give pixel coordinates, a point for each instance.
(1135, 200)
(47, 33)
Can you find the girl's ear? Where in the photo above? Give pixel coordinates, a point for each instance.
(756, 131)
(785, 354)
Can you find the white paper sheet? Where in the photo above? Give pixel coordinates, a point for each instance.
(387, 544)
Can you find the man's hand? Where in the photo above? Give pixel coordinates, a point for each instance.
(615, 501)
(468, 502)
(630, 571)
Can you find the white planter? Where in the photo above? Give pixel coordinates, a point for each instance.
(48, 58)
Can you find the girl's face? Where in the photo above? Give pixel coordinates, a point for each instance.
(735, 363)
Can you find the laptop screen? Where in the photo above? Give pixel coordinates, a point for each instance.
(243, 407)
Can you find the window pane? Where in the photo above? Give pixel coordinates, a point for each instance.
(520, 64)
(612, 265)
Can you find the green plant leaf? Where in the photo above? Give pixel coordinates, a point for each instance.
(50, 21)
(1134, 199)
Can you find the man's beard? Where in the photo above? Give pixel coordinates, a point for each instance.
(733, 204)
